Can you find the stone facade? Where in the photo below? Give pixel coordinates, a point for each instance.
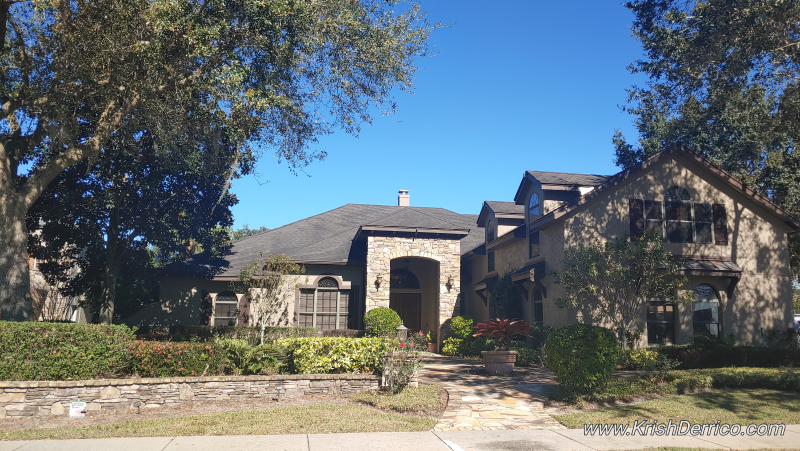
(382, 250)
(36, 398)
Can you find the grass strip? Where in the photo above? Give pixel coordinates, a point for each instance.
(425, 399)
(311, 419)
(732, 406)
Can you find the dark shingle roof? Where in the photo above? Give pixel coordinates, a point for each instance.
(566, 178)
(502, 207)
(328, 236)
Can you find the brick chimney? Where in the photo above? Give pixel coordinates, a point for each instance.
(403, 199)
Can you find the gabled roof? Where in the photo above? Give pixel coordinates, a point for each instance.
(569, 208)
(501, 210)
(327, 238)
(561, 181)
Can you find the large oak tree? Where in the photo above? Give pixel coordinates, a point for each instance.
(276, 74)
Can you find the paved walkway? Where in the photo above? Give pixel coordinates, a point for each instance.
(551, 439)
(483, 402)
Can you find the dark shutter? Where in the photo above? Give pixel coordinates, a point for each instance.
(206, 309)
(636, 211)
(720, 224)
(244, 312)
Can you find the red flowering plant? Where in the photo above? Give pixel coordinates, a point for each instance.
(400, 365)
(159, 359)
(502, 331)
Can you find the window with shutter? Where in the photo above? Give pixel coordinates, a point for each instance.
(720, 219)
(636, 210)
(490, 259)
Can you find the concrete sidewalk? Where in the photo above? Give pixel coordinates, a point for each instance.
(562, 439)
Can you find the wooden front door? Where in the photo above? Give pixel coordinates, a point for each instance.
(409, 307)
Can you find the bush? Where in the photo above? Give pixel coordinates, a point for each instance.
(63, 351)
(157, 359)
(210, 333)
(239, 358)
(637, 359)
(331, 355)
(349, 333)
(399, 365)
(452, 346)
(582, 357)
(721, 355)
(381, 322)
(461, 327)
(527, 356)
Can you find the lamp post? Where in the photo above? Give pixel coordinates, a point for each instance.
(402, 332)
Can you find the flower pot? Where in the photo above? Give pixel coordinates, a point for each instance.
(499, 361)
(431, 347)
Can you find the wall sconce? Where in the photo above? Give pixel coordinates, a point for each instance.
(449, 283)
(378, 280)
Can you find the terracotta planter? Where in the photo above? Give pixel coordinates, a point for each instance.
(431, 347)
(499, 361)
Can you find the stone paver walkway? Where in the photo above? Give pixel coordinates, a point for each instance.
(490, 402)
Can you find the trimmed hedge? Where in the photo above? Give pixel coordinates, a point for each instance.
(63, 351)
(721, 356)
(330, 355)
(771, 378)
(381, 322)
(582, 357)
(251, 334)
(157, 359)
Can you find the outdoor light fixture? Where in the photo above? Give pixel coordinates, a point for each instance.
(406, 263)
(449, 283)
(138, 405)
(402, 332)
(378, 280)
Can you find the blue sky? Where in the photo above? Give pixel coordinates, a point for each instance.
(517, 85)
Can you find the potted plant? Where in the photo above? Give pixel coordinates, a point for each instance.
(431, 336)
(502, 331)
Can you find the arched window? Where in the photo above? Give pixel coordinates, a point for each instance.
(491, 230)
(226, 309)
(533, 206)
(676, 194)
(327, 282)
(403, 278)
(325, 307)
(538, 311)
(705, 311)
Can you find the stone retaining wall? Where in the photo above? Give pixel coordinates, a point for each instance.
(31, 398)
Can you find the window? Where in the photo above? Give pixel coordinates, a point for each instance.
(679, 220)
(325, 307)
(491, 230)
(490, 259)
(538, 311)
(533, 243)
(660, 323)
(226, 309)
(533, 206)
(705, 315)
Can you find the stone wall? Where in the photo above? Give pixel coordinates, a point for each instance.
(382, 250)
(35, 398)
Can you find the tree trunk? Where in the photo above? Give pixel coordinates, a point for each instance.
(623, 337)
(16, 303)
(109, 287)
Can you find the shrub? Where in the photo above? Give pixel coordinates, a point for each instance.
(452, 346)
(334, 354)
(349, 333)
(63, 351)
(210, 333)
(527, 356)
(157, 359)
(502, 331)
(582, 357)
(239, 358)
(636, 359)
(381, 322)
(721, 355)
(461, 327)
(399, 365)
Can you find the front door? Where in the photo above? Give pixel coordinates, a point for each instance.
(408, 306)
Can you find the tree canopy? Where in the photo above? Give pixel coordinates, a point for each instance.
(273, 74)
(722, 79)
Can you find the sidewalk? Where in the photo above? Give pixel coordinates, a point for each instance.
(546, 439)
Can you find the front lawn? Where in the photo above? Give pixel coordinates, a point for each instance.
(742, 406)
(426, 399)
(309, 419)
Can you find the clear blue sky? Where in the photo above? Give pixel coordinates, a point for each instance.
(518, 85)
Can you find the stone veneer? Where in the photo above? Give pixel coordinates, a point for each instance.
(32, 398)
(381, 250)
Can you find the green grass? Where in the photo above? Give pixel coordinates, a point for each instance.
(311, 419)
(426, 399)
(741, 406)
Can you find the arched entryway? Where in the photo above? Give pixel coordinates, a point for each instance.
(414, 292)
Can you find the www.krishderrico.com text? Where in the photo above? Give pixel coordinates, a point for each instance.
(654, 428)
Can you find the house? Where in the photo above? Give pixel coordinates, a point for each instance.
(430, 264)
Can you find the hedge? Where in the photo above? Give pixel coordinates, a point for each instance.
(770, 378)
(330, 355)
(63, 351)
(251, 334)
(157, 359)
(582, 357)
(693, 357)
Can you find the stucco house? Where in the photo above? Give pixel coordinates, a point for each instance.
(430, 264)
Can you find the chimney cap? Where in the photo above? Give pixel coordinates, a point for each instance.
(403, 198)
(403, 191)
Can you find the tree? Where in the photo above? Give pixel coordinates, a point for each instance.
(109, 224)
(269, 284)
(617, 279)
(276, 74)
(722, 79)
(246, 231)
